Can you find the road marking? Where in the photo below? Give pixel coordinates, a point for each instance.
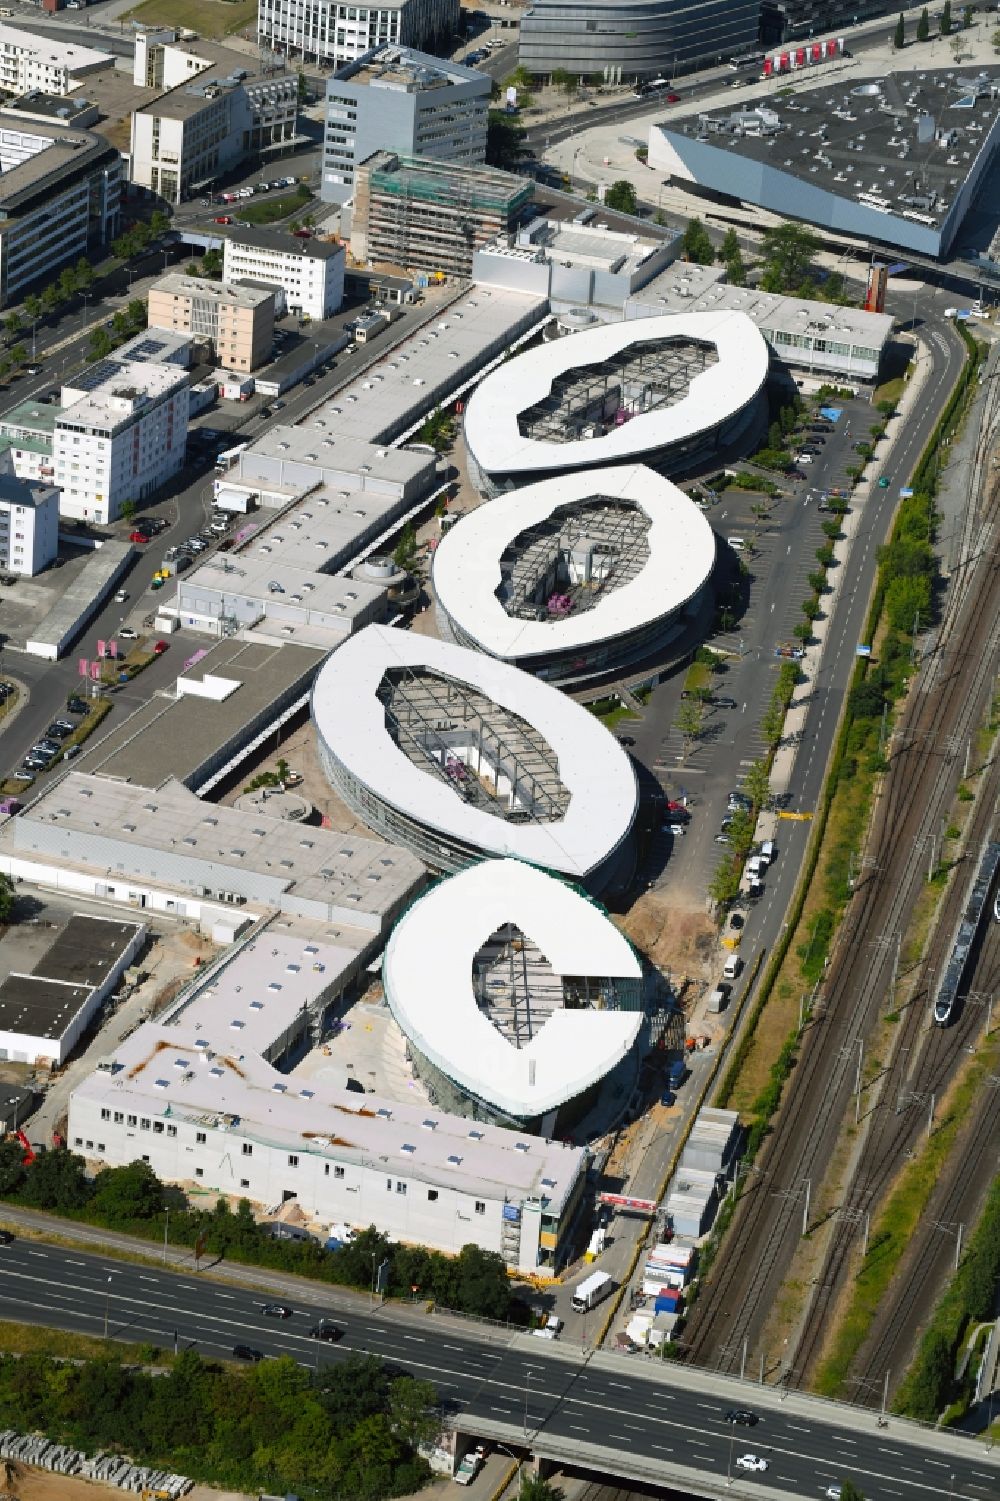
(843, 1439)
(75, 1263)
(622, 1384)
(663, 1448)
(896, 1454)
(417, 1339)
(457, 1348)
(799, 1428)
(708, 1406)
(579, 1427)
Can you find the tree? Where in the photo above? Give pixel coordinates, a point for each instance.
(850, 1492)
(621, 197)
(696, 244)
(124, 1194)
(946, 19)
(12, 324)
(84, 274)
(730, 246)
(303, 88)
(101, 344)
(159, 223)
(899, 40)
(128, 510)
(725, 883)
(758, 784)
(11, 1168)
(18, 354)
(5, 367)
(56, 1181)
(923, 26)
(534, 1489)
(788, 251)
(689, 721)
(119, 324)
(67, 282)
(561, 79)
(50, 297)
(504, 141)
(32, 307)
(6, 899)
(136, 313)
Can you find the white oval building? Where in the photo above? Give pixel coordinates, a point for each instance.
(575, 576)
(456, 755)
(530, 1000)
(667, 390)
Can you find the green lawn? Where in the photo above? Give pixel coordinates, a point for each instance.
(269, 210)
(209, 18)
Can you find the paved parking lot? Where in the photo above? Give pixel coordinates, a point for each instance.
(780, 556)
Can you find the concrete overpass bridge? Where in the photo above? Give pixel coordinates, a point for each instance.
(660, 1423)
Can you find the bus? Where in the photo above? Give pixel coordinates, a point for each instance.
(746, 60)
(654, 86)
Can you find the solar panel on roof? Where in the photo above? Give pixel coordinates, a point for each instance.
(90, 379)
(148, 349)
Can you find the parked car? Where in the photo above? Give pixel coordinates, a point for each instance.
(76, 706)
(126, 633)
(550, 1329)
(677, 829)
(223, 219)
(58, 732)
(33, 369)
(121, 595)
(724, 703)
(160, 648)
(141, 537)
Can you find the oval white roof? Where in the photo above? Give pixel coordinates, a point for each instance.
(592, 766)
(427, 972)
(467, 562)
(713, 396)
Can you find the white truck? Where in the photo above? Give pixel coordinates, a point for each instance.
(591, 1290)
(469, 1466)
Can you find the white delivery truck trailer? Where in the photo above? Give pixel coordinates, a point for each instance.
(591, 1290)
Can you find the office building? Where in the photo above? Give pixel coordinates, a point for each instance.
(237, 321)
(669, 391)
(215, 109)
(29, 60)
(893, 161)
(533, 1000)
(425, 215)
(310, 271)
(637, 39)
(29, 522)
(121, 434)
(331, 31)
(456, 755)
(786, 20)
(576, 577)
(397, 99)
(59, 200)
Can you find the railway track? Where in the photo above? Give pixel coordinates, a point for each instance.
(930, 1256)
(942, 711)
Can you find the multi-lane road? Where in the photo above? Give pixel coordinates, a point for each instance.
(624, 1418)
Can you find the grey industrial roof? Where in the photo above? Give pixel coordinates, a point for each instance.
(179, 737)
(405, 68)
(70, 152)
(283, 240)
(38, 1007)
(81, 596)
(86, 949)
(362, 875)
(902, 137)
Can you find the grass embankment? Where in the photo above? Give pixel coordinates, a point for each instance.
(270, 210)
(33, 1339)
(895, 1226)
(209, 18)
(611, 711)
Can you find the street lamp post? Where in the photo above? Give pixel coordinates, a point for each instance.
(527, 1389)
(374, 1259)
(107, 1307)
(166, 1235)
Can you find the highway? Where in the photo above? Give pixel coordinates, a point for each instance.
(648, 1421)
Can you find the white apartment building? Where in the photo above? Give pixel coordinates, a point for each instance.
(120, 438)
(310, 271)
(335, 32)
(59, 199)
(29, 522)
(31, 61)
(214, 112)
(401, 100)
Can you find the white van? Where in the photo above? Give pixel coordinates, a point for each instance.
(736, 543)
(732, 967)
(767, 851)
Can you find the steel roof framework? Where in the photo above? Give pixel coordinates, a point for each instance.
(490, 758)
(582, 550)
(641, 378)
